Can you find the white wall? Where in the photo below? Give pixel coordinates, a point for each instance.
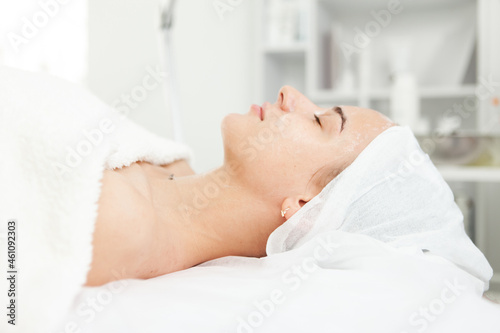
(214, 62)
(45, 36)
(122, 44)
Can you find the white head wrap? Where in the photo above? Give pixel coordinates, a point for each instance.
(393, 193)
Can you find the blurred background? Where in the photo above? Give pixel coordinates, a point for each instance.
(433, 65)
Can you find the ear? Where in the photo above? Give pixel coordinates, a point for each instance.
(291, 205)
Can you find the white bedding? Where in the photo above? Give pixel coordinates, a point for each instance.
(338, 282)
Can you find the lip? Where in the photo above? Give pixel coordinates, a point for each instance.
(258, 111)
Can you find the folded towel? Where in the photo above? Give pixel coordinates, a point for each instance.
(394, 193)
(56, 139)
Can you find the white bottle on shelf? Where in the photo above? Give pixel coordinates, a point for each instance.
(404, 97)
(283, 20)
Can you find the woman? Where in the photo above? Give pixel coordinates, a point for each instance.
(146, 219)
(153, 220)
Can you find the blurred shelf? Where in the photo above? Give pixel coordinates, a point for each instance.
(286, 49)
(366, 6)
(437, 92)
(444, 92)
(469, 173)
(329, 96)
(431, 92)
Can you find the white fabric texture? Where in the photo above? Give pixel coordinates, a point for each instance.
(55, 141)
(394, 193)
(336, 282)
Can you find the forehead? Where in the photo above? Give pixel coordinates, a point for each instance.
(363, 118)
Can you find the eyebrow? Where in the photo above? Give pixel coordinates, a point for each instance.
(340, 112)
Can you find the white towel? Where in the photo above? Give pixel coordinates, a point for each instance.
(394, 193)
(55, 142)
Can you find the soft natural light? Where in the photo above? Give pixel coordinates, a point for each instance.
(36, 37)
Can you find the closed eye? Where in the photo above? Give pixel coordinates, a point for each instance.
(317, 120)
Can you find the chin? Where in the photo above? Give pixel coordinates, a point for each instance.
(234, 128)
(237, 130)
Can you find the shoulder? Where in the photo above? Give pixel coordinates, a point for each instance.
(125, 195)
(124, 226)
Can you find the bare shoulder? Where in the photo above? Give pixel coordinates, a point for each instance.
(124, 236)
(124, 226)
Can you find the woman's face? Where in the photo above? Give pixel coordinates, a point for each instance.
(293, 147)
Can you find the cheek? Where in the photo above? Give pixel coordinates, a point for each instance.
(272, 156)
(301, 142)
(291, 147)
(352, 145)
(264, 143)
(288, 131)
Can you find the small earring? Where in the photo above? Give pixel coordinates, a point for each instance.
(283, 212)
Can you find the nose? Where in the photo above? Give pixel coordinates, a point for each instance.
(291, 100)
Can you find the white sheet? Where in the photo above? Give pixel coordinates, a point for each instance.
(352, 284)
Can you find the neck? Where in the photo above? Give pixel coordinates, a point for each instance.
(212, 215)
